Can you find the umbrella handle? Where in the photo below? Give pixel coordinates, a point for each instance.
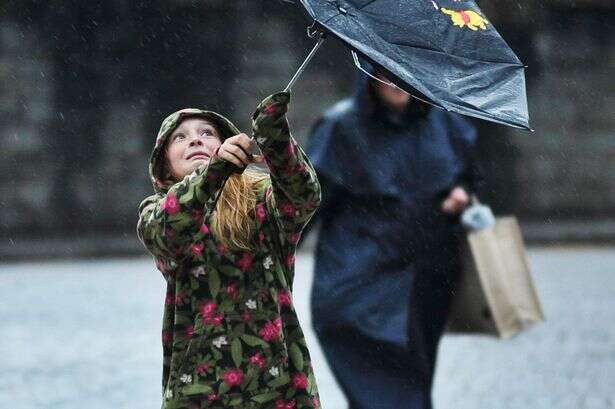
(321, 39)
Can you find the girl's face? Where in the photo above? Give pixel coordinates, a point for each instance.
(191, 145)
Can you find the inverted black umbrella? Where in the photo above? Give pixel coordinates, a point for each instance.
(444, 52)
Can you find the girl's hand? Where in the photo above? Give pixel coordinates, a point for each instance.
(236, 150)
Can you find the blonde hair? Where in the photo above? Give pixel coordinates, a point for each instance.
(231, 222)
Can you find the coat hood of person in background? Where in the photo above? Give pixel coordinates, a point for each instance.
(349, 134)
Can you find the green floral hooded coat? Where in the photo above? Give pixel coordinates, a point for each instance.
(230, 334)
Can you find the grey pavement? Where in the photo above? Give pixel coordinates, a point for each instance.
(85, 334)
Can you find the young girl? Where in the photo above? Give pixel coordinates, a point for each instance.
(224, 240)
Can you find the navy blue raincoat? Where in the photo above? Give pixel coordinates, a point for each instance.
(387, 256)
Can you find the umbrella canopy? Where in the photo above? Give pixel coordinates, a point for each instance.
(443, 51)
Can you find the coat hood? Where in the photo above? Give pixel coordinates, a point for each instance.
(372, 107)
(156, 165)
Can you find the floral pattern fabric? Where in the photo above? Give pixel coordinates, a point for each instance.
(230, 336)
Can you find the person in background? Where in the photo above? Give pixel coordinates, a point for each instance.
(395, 174)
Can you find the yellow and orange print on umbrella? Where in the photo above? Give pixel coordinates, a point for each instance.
(466, 18)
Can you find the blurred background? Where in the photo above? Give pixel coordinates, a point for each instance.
(83, 89)
(85, 86)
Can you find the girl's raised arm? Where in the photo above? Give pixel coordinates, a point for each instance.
(295, 192)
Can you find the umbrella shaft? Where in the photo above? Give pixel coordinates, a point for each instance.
(305, 63)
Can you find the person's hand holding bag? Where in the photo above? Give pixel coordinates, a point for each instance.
(456, 201)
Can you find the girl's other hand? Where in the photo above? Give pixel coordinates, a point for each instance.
(236, 150)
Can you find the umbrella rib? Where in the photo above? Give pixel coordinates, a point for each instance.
(366, 4)
(455, 55)
(377, 17)
(331, 18)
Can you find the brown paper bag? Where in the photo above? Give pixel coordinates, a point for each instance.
(495, 294)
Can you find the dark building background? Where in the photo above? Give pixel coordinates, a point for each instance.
(84, 86)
